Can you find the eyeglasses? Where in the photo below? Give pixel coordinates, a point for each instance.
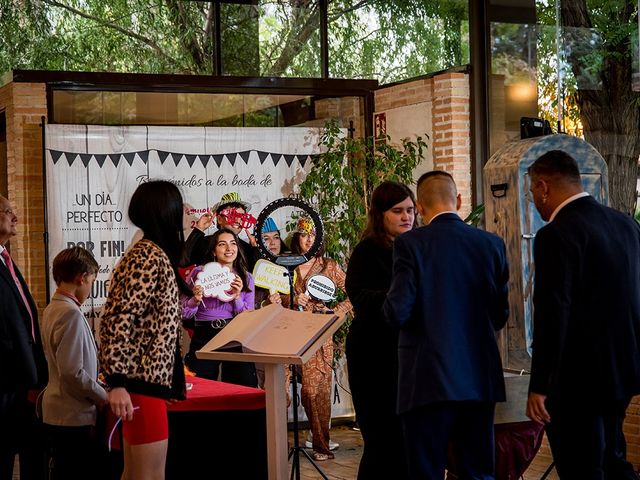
(8, 211)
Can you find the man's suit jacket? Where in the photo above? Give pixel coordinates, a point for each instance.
(586, 333)
(22, 362)
(449, 296)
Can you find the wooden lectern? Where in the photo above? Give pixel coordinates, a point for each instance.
(277, 449)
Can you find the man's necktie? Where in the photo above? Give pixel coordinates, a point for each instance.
(9, 263)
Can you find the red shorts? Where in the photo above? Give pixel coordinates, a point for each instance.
(149, 424)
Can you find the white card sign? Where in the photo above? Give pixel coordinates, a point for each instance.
(216, 281)
(321, 288)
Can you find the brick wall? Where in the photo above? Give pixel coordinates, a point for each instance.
(344, 109)
(24, 105)
(444, 99)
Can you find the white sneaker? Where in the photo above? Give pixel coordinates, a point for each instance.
(309, 443)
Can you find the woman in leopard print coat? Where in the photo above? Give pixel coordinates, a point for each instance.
(140, 330)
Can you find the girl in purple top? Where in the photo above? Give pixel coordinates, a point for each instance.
(212, 315)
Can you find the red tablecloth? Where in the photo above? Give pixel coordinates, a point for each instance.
(212, 395)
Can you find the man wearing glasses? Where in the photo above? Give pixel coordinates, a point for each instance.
(22, 363)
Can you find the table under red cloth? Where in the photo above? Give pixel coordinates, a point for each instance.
(212, 395)
(206, 429)
(516, 446)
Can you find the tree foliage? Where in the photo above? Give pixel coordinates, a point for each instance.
(368, 38)
(343, 177)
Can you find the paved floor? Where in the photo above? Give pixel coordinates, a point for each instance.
(345, 465)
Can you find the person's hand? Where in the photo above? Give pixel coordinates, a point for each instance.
(252, 239)
(275, 298)
(120, 402)
(198, 293)
(301, 300)
(536, 409)
(236, 287)
(205, 221)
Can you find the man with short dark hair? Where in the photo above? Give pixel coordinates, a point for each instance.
(448, 296)
(586, 330)
(22, 363)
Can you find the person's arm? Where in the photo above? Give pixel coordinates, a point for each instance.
(133, 286)
(191, 304)
(501, 310)
(246, 300)
(195, 247)
(552, 303)
(402, 293)
(69, 352)
(360, 272)
(338, 276)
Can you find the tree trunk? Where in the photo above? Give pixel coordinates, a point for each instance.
(610, 114)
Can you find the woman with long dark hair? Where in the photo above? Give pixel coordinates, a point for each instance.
(140, 330)
(372, 345)
(212, 314)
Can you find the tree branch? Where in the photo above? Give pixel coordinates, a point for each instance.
(113, 26)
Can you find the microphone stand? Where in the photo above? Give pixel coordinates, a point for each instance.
(296, 449)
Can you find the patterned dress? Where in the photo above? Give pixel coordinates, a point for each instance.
(317, 372)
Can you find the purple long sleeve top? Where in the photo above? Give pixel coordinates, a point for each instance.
(213, 308)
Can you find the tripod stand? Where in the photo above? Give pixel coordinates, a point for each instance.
(296, 449)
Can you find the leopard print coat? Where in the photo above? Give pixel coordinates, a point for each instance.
(141, 324)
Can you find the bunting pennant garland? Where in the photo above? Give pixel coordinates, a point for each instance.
(177, 157)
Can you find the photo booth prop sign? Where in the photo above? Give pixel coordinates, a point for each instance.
(93, 170)
(216, 281)
(271, 276)
(321, 288)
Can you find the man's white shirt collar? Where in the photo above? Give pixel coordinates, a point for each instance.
(566, 202)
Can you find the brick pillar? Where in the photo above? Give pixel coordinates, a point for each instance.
(452, 132)
(24, 105)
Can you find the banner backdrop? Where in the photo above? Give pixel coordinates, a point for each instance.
(92, 172)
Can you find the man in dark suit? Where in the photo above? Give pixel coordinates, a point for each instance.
(586, 333)
(22, 363)
(448, 296)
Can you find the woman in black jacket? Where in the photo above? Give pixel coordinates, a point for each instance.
(372, 345)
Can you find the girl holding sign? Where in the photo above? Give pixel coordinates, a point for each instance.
(317, 372)
(371, 339)
(215, 302)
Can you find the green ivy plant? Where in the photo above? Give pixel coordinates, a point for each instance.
(340, 184)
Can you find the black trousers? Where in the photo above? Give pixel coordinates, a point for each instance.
(466, 426)
(239, 373)
(21, 433)
(587, 442)
(75, 453)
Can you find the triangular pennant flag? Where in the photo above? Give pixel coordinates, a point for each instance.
(115, 159)
(86, 158)
(163, 156)
(144, 156)
(245, 156)
(55, 155)
(130, 157)
(289, 159)
(100, 158)
(71, 157)
(204, 159)
(232, 158)
(191, 159)
(176, 157)
(218, 159)
(276, 157)
(262, 156)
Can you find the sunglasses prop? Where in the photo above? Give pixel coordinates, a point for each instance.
(246, 220)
